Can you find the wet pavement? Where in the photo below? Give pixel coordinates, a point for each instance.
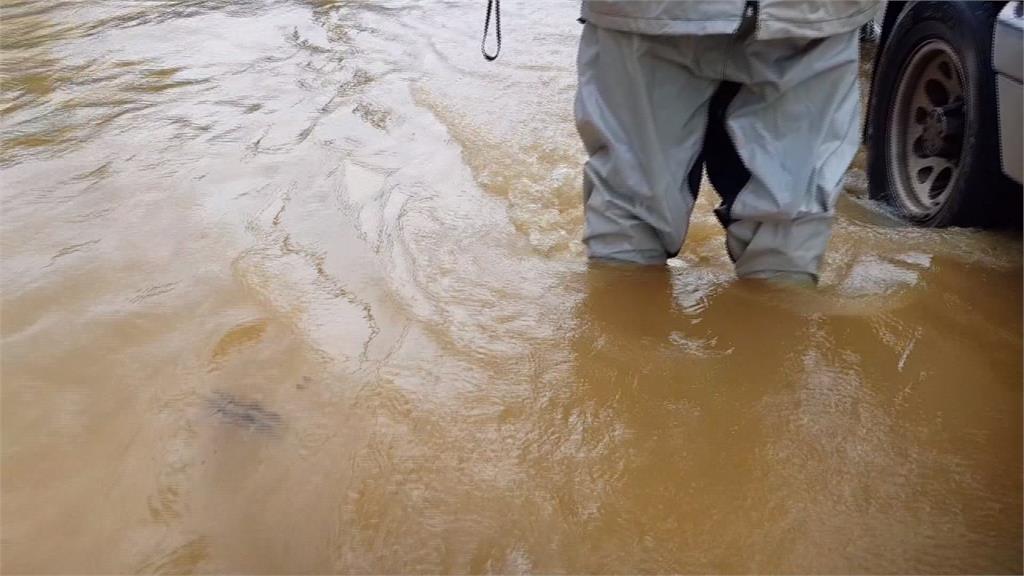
(297, 287)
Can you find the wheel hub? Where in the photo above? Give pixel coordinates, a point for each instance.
(942, 129)
(934, 133)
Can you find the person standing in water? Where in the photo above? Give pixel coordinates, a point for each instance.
(763, 96)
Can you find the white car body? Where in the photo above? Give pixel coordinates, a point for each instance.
(1008, 61)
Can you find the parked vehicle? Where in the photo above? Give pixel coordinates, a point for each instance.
(945, 111)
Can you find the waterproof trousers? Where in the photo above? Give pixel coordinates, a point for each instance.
(774, 123)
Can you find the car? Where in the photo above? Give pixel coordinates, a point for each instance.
(944, 116)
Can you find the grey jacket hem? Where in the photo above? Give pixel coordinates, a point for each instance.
(768, 27)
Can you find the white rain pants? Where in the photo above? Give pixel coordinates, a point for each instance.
(775, 123)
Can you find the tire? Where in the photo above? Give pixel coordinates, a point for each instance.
(934, 160)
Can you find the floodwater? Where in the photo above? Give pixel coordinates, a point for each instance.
(296, 287)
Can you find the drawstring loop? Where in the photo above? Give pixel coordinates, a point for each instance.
(497, 30)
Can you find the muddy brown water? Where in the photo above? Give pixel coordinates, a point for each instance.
(296, 287)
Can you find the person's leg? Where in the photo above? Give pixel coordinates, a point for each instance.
(729, 176)
(795, 125)
(725, 169)
(640, 112)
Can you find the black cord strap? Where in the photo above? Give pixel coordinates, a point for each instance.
(497, 30)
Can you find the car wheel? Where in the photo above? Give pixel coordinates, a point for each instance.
(933, 145)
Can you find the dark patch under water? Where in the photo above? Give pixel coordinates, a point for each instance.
(244, 413)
